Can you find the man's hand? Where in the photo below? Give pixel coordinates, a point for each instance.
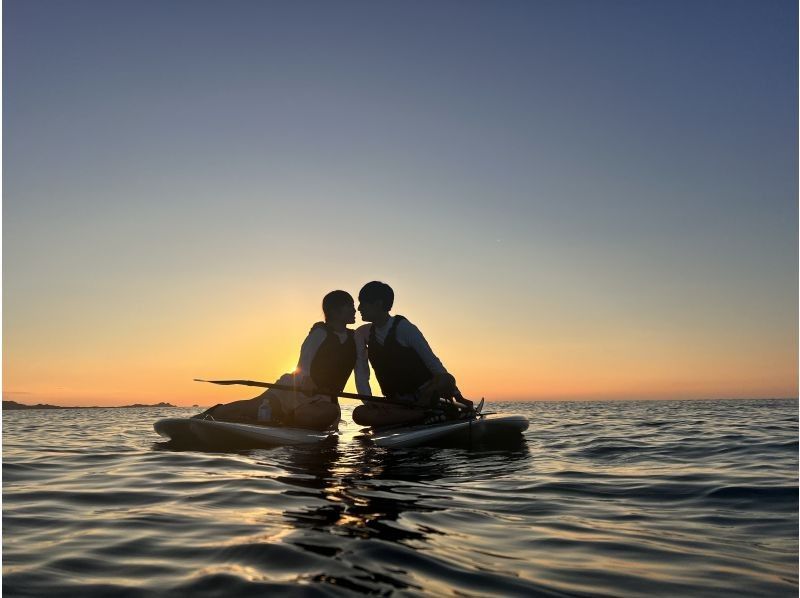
(466, 403)
(440, 386)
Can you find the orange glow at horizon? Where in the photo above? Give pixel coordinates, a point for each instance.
(262, 342)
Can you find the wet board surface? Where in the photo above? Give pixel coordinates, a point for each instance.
(480, 429)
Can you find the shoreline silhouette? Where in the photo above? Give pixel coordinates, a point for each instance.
(15, 406)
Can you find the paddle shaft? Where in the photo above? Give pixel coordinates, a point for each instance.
(342, 395)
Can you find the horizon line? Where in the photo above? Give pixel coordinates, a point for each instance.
(526, 400)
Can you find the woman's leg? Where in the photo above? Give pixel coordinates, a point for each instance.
(237, 410)
(281, 405)
(319, 415)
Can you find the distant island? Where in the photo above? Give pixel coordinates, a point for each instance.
(14, 406)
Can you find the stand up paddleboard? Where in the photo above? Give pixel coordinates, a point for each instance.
(482, 428)
(207, 432)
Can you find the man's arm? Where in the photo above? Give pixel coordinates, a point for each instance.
(362, 360)
(443, 384)
(409, 335)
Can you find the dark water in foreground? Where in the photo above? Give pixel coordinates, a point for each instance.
(618, 498)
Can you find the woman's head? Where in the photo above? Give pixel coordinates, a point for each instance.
(339, 306)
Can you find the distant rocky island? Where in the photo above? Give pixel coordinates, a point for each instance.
(14, 406)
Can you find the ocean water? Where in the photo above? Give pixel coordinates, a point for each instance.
(667, 498)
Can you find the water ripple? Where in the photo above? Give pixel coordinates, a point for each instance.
(615, 499)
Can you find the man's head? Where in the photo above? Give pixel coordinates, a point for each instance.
(338, 306)
(375, 299)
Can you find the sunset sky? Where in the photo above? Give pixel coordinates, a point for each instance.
(571, 199)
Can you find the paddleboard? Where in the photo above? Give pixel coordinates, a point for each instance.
(463, 431)
(209, 432)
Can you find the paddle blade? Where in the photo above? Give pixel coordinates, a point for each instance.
(224, 382)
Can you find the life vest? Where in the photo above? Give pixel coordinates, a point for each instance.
(399, 370)
(334, 361)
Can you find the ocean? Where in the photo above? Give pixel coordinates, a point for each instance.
(618, 498)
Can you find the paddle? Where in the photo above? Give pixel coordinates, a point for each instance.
(343, 395)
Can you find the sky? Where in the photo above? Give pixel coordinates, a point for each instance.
(571, 199)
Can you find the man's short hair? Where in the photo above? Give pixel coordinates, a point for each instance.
(377, 291)
(334, 300)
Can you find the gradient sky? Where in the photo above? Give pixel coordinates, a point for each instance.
(572, 199)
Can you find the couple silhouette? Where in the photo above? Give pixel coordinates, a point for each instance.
(407, 370)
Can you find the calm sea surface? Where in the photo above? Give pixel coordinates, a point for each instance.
(661, 498)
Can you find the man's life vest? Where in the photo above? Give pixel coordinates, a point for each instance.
(399, 370)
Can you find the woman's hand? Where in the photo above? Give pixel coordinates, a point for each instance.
(307, 386)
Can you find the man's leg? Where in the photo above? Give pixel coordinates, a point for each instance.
(386, 415)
